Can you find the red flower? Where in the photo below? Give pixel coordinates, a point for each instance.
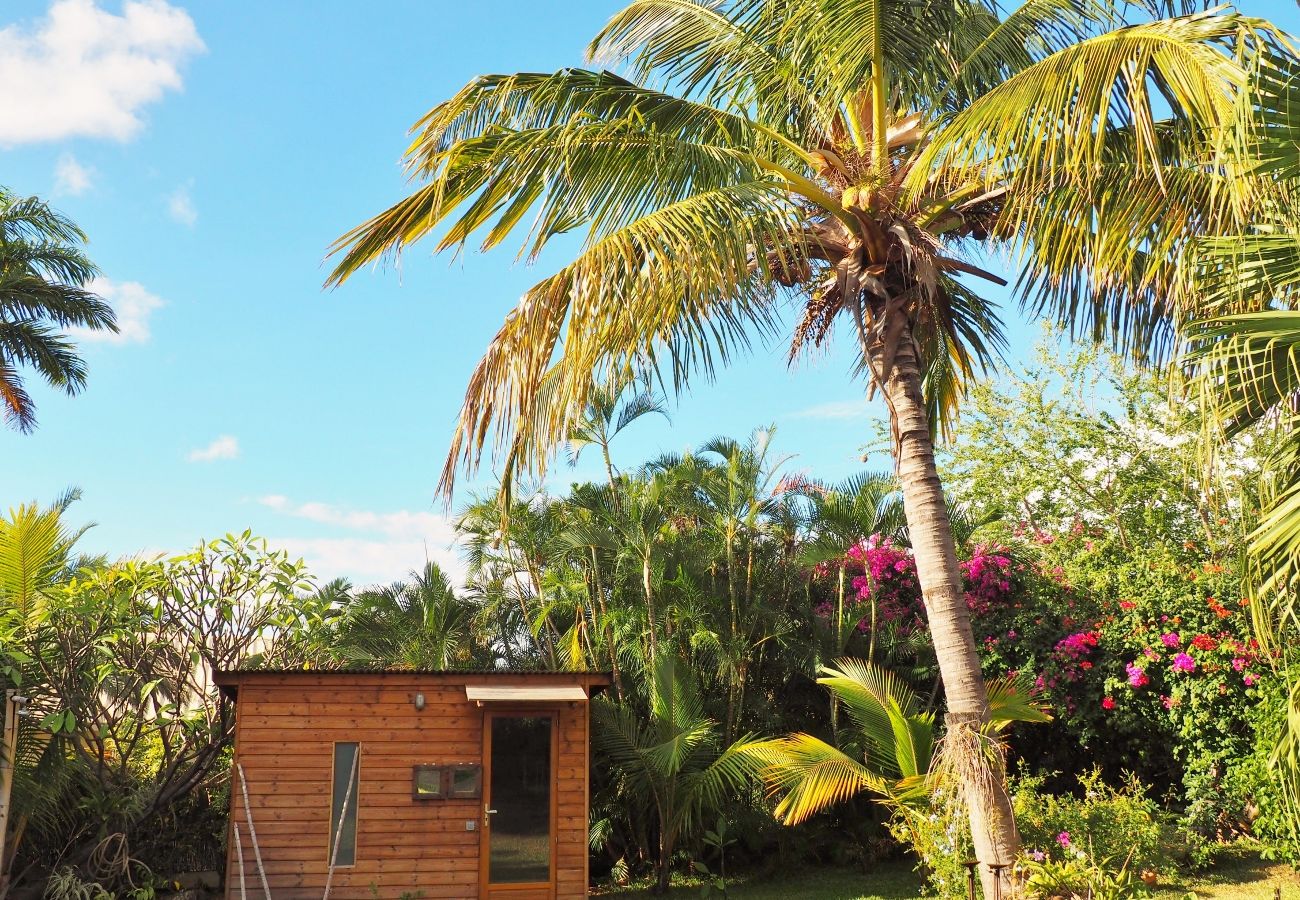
(1108, 703)
(1204, 642)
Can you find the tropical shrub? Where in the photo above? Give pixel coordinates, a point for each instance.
(672, 770)
(1121, 824)
(1080, 877)
(1127, 602)
(893, 752)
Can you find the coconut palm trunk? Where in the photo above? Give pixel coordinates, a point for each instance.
(979, 763)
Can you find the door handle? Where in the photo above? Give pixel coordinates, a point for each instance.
(487, 812)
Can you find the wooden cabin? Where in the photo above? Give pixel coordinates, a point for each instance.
(430, 784)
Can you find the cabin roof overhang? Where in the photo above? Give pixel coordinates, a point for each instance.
(493, 685)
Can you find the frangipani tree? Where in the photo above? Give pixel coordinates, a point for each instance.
(843, 162)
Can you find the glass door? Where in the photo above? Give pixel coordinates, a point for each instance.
(517, 799)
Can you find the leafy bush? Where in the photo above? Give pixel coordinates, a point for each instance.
(1126, 588)
(1081, 878)
(1123, 824)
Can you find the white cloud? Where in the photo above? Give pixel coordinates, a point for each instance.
(366, 562)
(375, 547)
(71, 177)
(84, 72)
(180, 206)
(133, 304)
(837, 409)
(224, 447)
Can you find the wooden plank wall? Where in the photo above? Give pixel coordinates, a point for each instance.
(286, 727)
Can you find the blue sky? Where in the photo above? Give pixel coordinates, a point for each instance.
(213, 150)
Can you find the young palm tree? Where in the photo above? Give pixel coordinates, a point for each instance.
(418, 624)
(43, 279)
(842, 517)
(848, 156)
(608, 413)
(673, 767)
(890, 753)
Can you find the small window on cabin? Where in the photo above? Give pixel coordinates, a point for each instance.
(343, 808)
(466, 783)
(427, 783)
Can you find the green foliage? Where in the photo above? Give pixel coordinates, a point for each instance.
(1082, 878)
(124, 754)
(1121, 824)
(1130, 606)
(674, 768)
(422, 623)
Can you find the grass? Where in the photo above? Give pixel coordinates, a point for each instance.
(1235, 878)
(891, 881)
(1238, 878)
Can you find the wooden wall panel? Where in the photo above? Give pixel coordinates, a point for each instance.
(286, 727)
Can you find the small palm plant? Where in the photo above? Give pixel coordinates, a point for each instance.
(890, 752)
(671, 767)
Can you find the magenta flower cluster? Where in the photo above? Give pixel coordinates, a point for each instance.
(883, 571)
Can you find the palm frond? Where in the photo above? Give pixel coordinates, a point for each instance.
(679, 285)
(811, 775)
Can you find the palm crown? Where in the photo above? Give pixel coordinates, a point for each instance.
(43, 278)
(842, 152)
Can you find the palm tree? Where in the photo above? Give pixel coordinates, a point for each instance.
(417, 624)
(36, 557)
(849, 156)
(43, 290)
(890, 754)
(842, 517)
(672, 766)
(607, 414)
(37, 561)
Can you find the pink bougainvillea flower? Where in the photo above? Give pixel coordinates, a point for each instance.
(1239, 664)
(1170, 639)
(1184, 663)
(1037, 855)
(1064, 839)
(1137, 676)
(1250, 679)
(1108, 703)
(1167, 701)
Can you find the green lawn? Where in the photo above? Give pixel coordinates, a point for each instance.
(1245, 878)
(1235, 879)
(892, 881)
